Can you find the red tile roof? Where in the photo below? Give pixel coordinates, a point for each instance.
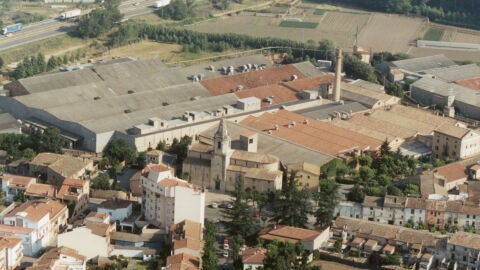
(274, 75)
(254, 255)
(10, 241)
(69, 183)
(309, 83)
(170, 182)
(470, 83)
(311, 133)
(452, 172)
(37, 209)
(44, 190)
(277, 93)
(9, 230)
(292, 234)
(18, 180)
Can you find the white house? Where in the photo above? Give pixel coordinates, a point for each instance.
(464, 249)
(61, 258)
(415, 210)
(117, 209)
(11, 247)
(46, 217)
(12, 185)
(252, 258)
(348, 209)
(168, 200)
(91, 241)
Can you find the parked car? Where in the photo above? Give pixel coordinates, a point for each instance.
(214, 205)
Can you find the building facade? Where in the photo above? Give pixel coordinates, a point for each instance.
(167, 200)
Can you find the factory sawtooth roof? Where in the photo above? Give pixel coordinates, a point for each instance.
(439, 87)
(454, 73)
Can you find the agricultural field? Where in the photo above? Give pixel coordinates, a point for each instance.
(434, 34)
(148, 49)
(386, 32)
(337, 26)
(294, 24)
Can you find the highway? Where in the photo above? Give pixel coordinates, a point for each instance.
(53, 27)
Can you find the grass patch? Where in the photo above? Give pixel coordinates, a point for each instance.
(294, 24)
(319, 11)
(433, 34)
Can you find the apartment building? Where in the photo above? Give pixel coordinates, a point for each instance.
(13, 185)
(11, 252)
(463, 249)
(45, 218)
(75, 191)
(168, 200)
(455, 142)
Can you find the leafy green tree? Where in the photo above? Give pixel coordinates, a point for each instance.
(291, 206)
(236, 245)
(355, 68)
(117, 151)
(99, 21)
(327, 50)
(356, 194)
(28, 153)
(65, 59)
(395, 89)
(409, 223)
(411, 189)
(101, 182)
(240, 219)
(50, 141)
(327, 200)
(52, 63)
(40, 63)
(284, 256)
(366, 174)
(1, 60)
(421, 225)
(393, 190)
(209, 257)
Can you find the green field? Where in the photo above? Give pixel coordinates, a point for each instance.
(293, 24)
(319, 11)
(433, 34)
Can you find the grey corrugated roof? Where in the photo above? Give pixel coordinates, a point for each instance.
(308, 69)
(455, 73)
(369, 85)
(7, 121)
(466, 95)
(287, 152)
(423, 63)
(325, 111)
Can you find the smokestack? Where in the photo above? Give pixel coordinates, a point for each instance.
(338, 76)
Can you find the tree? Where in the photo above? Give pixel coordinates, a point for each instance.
(395, 89)
(1, 62)
(50, 141)
(240, 219)
(366, 174)
(52, 63)
(409, 223)
(356, 194)
(421, 225)
(209, 257)
(101, 182)
(28, 153)
(291, 206)
(236, 245)
(327, 200)
(327, 50)
(284, 256)
(99, 21)
(41, 64)
(357, 69)
(411, 189)
(118, 151)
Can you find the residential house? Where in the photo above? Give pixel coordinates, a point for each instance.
(142, 245)
(451, 175)
(75, 191)
(462, 214)
(219, 167)
(96, 217)
(182, 261)
(27, 235)
(372, 209)
(169, 200)
(348, 209)
(11, 252)
(13, 185)
(311, 240)
(415, 210)
(189, 246)
(474, 172)
(187, 229)
(55, 167)
(40, 191)
(455, 142)
(463, 249)
(46, 217)
(60, 258)
(252, 258)
(116, 208)
(435, 213)
(387, 210)
(307, 175)
(95, 239)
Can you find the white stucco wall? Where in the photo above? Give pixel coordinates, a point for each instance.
(189, 204)
(87, 243)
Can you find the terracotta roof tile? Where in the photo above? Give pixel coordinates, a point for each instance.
(454, 131)
(18, 180)
(254, 255)
(470, 83)
(183, 258)
(189, 229)
(311, 133)
(278, 94)
(274, 75)
(452, 172)
(115, 204)
(171, 182)
(40, 190)
(68, 184)
(293, 234)
(463, 239)
(415, 203)
(8, 230)
(37, 209)
(311, 83)
(10, 241)
(187, 243)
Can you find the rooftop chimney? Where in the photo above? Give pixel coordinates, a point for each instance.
(338, 76)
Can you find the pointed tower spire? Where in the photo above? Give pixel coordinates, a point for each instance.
(222, 131)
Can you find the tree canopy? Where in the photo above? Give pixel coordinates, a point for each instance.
(99, 21)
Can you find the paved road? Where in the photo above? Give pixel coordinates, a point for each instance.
(53, 27)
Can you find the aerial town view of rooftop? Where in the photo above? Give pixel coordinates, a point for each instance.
(240, 134)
